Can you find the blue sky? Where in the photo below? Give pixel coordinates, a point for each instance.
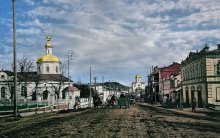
(118, 38)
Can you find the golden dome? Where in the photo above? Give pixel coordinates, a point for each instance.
(48, 58)
(138, 76)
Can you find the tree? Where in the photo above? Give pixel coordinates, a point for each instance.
(26, 74)
(84, 90)
(25, 65)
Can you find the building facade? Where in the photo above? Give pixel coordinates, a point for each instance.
(47, 84)
(201, 78)
(159, 82)
(138, 86)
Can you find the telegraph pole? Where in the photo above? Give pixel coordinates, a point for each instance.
(70, 56)
(90, 91)
(95, 78)
(102, 80)
(15, 58)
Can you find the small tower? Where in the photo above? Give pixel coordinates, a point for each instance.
(48, 46)
(48, 64)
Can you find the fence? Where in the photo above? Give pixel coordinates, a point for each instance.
(85, 102)
(23, 104)
(43, 105)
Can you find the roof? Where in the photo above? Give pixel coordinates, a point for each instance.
(9, 73)
(71, 89)
(204, 52)
(48, 58)
(172, 69)
(33, 76)
(138, 76)
(54, 77)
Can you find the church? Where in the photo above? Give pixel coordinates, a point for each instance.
(47, 84)
(138, 86)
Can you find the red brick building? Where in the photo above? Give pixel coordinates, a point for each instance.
(160, 82)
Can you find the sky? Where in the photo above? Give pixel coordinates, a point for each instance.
(117, 38)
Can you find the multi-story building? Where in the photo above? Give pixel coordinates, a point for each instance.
(159, 82)
(175, 88)
(165, 78)
(201, 78)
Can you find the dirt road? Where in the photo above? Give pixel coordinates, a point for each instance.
(138, 121)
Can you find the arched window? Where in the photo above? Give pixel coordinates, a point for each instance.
(3, 92)
(2, 77)
(197, 74)
(218, 68)
(187, 95)
(48, 69)
(45, 95)
(24, 91)
(63, 95)
(56, 69)
(201, 69)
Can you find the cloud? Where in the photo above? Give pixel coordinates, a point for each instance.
(117, 38)
(30, 2)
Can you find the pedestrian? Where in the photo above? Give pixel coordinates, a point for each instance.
(194, 104)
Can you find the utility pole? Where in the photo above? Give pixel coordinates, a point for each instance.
(70, 56)
(95, 78)
(90, 91)
(114, 86)
(15, 58)
(109, 87)
(102, 80)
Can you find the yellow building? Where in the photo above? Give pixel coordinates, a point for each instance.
(201, 78)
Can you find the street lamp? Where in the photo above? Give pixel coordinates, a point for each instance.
(70, 57)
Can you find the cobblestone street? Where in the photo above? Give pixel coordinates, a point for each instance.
(138, 121)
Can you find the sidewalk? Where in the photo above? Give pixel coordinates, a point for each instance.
(23, 114)
(200, 112)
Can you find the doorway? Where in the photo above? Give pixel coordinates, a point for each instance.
(200, 98)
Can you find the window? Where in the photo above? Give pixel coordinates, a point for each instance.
(218, 95)
(24, 91)
(201, 69)
(2, 77)
(56, 69)
(3, 92)
(218, 69)
(63, 95)
(48, 69)
(45, 95)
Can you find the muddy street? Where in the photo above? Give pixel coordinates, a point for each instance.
(137, 121)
